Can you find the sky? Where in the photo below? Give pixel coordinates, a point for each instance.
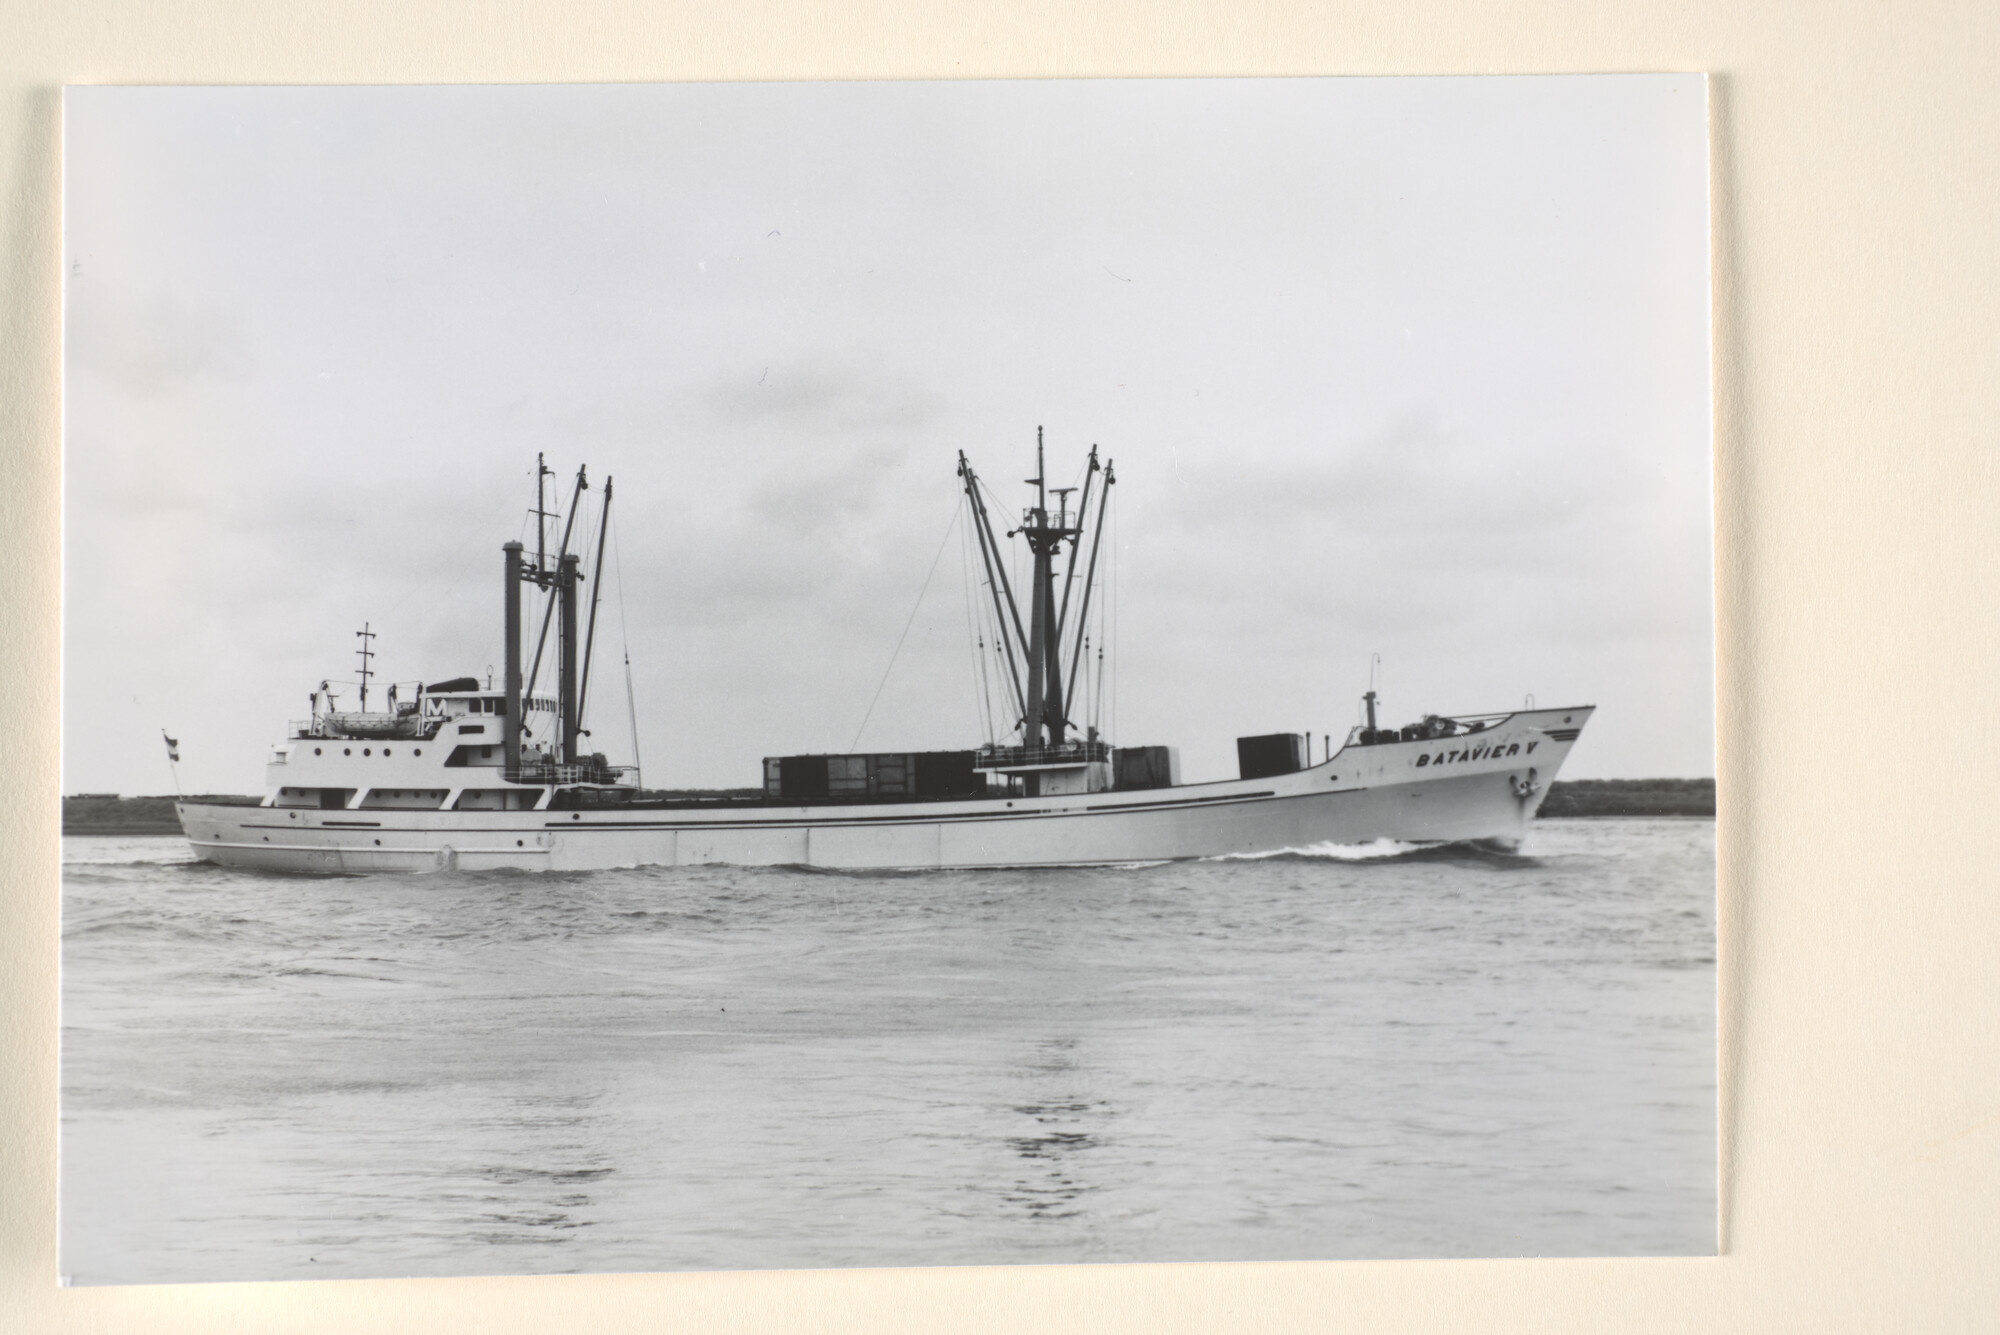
(1410, 367)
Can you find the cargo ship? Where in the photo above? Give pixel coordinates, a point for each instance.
(459, 774)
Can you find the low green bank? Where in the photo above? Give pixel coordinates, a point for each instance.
(1630, 797)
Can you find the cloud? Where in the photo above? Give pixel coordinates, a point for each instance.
(154, 344)
(821, 395)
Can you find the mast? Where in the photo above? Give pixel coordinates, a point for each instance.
(1368, 698)
(1052, 698)
(566, 582)
(1045, 701)
(542, 470)
(1031, 728)
(561, 584)
(545, 577)
(364, 635)
(1082, 509)
(596, 588)
(1089, 578)
(510, 726)
(1045, 693)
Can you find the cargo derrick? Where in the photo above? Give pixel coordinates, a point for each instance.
(1049, 758)
(562, 580)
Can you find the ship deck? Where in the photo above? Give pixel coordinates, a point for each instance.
(748, 800)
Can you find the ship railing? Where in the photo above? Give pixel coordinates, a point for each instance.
(374, 727)
(1069, 753)
(1432, 727)
(607, 775)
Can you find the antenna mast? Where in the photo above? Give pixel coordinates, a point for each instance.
(542, 471)
(1045, 668)
(364, 635)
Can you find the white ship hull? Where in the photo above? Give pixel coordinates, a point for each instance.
(1479, 787)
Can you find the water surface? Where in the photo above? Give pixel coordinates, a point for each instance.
(1352, 1053)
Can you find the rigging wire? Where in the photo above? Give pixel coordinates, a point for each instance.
(949, 529)
(993, 630)
(625, 644)
(974, 642)
(1010, 630)
(1117, 603)
(1100, 692)
(593, 526)
(1013, 554)
(965, 592)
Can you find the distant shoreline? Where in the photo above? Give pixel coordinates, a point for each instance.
(1630, 797)
(103, 815)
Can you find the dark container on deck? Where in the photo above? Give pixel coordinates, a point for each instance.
(889, 774)
(847, 776)
(946, 774)
(802, 776)
(1134, 767)
(1273, 753)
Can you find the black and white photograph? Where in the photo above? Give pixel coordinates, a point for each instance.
(764, 676)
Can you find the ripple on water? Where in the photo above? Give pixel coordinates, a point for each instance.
(1329, 1052)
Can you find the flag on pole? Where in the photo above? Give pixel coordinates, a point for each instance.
(173, 747)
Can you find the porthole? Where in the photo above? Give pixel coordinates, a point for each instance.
(267, 838)
(577, 816)
(519, 844)
(378, 843)
(315, 750)
(385, 750)
(295, 815)
(420, 750)
(347, 750)
(366, 751)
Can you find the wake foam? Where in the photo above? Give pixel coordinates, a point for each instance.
(1372, 851)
